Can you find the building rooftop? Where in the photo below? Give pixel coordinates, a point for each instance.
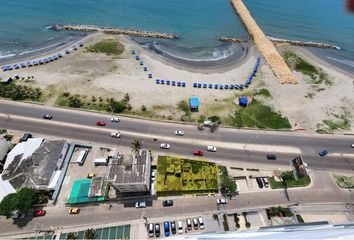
(4, 148)
(129, 169)
(35, 169)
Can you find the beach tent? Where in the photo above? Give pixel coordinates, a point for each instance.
(133, 52)
(205, 85)
(183, 84)
(193, 103)
(162, 81)
(195, 85)
(137, 58)
(167, 82)
(243, 101)
(178, 84)
(150, 75)
(210, 85)
(141, 63)
(145, 69)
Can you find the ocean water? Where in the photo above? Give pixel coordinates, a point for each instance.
(197, 22)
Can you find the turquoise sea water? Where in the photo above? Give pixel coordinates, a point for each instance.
(197, 22)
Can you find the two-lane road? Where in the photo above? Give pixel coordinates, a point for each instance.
(232, 144)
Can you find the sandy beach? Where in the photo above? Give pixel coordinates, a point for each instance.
(99, 75)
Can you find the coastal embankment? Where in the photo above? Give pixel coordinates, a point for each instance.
(265, 46)
(114, 31)
(283, 42)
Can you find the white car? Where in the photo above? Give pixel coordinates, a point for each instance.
(153, 175)
(211, 148)
(115, 119)
(221, 201)
(165, 146)
(353, 145)
(180, 227)
(179, 133)
(140, 204)
(201, 223)
(115, 134)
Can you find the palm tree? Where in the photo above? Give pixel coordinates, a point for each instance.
(90, 234)
(136, 146)
(71, 236)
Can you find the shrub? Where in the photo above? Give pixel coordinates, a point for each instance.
(143, 108)
(66, 94)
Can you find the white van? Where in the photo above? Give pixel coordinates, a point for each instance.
(82, 157)
(100, 161)
(180, 227)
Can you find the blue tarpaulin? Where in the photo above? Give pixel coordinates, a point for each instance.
(243, 101)
(193, 102)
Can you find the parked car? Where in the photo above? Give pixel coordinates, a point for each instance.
(265, 182)
(140, 204)
(271, 157)
(180, 227)
(167, 203)
(221, 201)
(353, 145)
(201, 223)
(195, 223)
(115, 134)
(198, 152)
(100, 123)
(74, 210)
(167, 228)
(153, 174)
(173, 227)
(259, 182)
(90, 175)
(189, 224)
(179, 133)
(39, 213)
(151, 230)
(157, 230)
(211, 148)
(47, 116)
(165, 146)
(323, 153)
(115, 119)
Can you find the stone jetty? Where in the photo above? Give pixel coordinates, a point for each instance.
(231, 40)
(265, 46)
(115, 31)
(303, 43)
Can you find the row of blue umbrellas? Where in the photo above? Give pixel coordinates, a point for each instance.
(37, 62)
(170, 83)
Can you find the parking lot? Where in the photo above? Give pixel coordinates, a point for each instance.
(76, 171)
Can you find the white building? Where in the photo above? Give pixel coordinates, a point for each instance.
(130, 174)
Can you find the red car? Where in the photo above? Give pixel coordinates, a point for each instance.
(198, 152)
(100, 123)
(39, 213)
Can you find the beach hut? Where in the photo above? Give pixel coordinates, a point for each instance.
(40, 62)
(145, 69)
(16, 66)
(4, 68)
(141, 63)
(226, 86)
(199, 85)
(59, 55)
(23, 65)
(55, 57)
(132, 51)
(195, 85)
(157, 81)
(183, 84)
(168, 82)
(162, 81)
(243, 101)
(221, 87)
(137, 58)
(173, 83)
(178, 84)
(194, 104)
(50, 59)
(231, 86)
(205, 85)
(241, 86)
(236, 86)
(29, 64)
(67, 51)
(9, 68)
(46, 60)
(210, 86)
(150, 75)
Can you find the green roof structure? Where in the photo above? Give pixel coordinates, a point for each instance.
(80, 192)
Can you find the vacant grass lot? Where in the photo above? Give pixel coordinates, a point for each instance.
(177, 176)
(290, 182)
(107, 46)
(258, 115)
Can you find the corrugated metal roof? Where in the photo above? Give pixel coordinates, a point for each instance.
(193, 102)
(5, 188)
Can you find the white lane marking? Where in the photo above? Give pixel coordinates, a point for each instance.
(218, 144)
(346, 155)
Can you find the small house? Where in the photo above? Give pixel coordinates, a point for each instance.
(194, 104)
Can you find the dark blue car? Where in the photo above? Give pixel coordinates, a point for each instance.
(323, 153)
(167, 229)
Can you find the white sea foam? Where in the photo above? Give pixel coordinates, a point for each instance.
(343, 61)
(7, 55)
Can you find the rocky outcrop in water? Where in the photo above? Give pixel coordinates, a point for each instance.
(115, 31)
(231, 40)
(303, 44)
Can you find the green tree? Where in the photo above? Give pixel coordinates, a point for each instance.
(90, 234)
(71, 236)
(75, 101)
(116, 106)
(22, 201)
(136, 146)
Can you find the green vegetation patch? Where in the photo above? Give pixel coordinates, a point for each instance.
(107, 46)
(317, 75)
(344, 181)
(342, 122)
(228, 185)
(278, 212)
(177, 176)
(93, 103)
(259, 116)
(289, 181)
(20, 92)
